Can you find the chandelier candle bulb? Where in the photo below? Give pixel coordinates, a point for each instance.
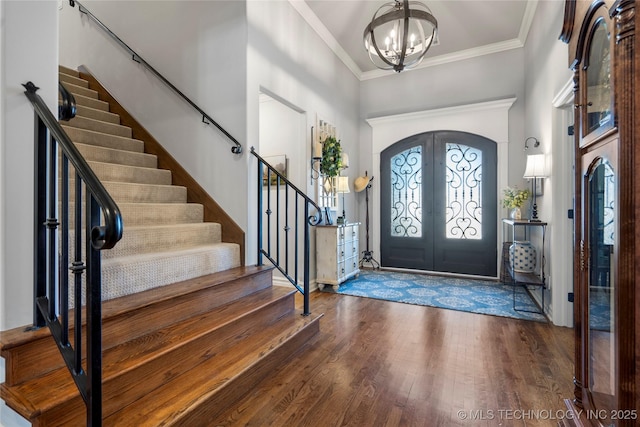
(317, 150)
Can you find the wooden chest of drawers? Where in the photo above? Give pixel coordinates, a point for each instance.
(337, 252)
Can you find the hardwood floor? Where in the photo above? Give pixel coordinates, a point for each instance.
(379, 363)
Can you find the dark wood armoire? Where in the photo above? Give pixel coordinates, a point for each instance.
(602, 55)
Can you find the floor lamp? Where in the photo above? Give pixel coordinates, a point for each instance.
(364, 183)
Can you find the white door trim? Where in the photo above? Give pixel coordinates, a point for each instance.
(562, 174)
(488, 119)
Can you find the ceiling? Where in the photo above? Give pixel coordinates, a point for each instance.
(466, 28)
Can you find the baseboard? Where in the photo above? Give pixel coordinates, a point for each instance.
(281, 281)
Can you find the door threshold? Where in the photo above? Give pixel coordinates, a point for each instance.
(440, 273)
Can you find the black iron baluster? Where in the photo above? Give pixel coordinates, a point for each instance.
(296, 237)
(286, 229)
(64, 252)
(94, 316)
(52, 225)
(40, 217)
(259, 216)
(269, 212)
(277, 219)
(307, 247)
(77, 268)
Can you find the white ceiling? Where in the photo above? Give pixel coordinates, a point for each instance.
(466, 28)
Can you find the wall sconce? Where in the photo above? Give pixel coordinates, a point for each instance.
(316, 156)
(536, 143)
(315, 167)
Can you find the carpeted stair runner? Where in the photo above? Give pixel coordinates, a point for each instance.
(165, 239)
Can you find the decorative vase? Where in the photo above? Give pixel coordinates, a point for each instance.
(522, 256)
(516, 213)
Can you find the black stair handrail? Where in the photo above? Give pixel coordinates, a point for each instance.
(66, 108)
(206, 119)
(52, 233)
(283, 185)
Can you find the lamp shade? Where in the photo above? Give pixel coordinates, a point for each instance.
(536, 167)
(343, 184)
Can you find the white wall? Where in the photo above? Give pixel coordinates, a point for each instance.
(547, 74)
(26, 27)
(485, 78)
(288, 59)
(283, 132)
(200, 48)
(487, 119)
(439, 88)
(28, 52)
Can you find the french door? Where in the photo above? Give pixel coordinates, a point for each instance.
(439, 203)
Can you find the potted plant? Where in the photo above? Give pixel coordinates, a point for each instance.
(513, 199)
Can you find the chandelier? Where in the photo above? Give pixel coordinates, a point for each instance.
(399, 35)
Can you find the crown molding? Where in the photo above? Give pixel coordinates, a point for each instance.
(527, 19)
(314, 22)
(565, 95)
(500, 104)
(452, 57)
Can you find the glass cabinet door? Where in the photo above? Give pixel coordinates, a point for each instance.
(600, 204)
(598, 114)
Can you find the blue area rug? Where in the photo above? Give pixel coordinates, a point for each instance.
(471, 295)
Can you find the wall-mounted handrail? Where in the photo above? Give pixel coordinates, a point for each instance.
(281, 212)
(206, 119)
(53, 224)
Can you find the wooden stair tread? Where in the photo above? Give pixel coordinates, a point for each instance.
(166, 405)
(122, 359)
(19, 336)
(133, 302)
(67, 70)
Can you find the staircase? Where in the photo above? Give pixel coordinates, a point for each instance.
(166, 239)
(187, 330)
